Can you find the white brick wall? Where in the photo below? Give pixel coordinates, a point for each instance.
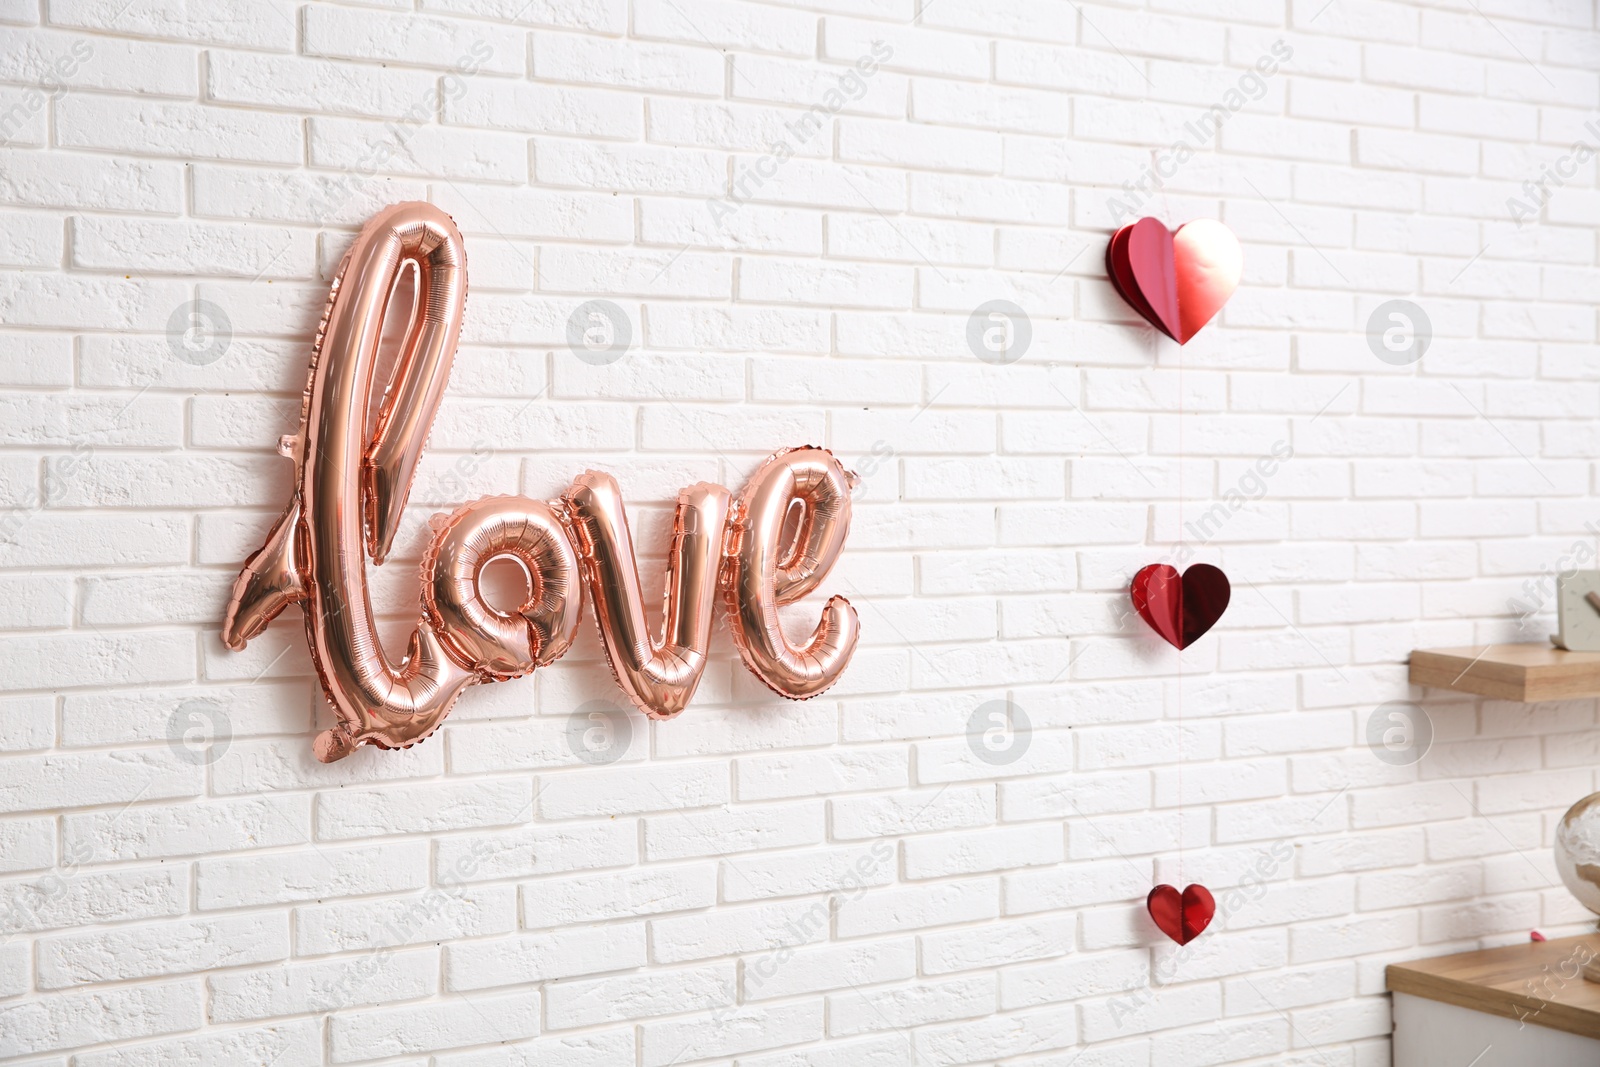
(798, 205)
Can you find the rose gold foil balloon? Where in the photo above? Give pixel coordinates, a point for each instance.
(659, 674)
(350, 492)
(768, 565)
(502, 645)
(316, 554)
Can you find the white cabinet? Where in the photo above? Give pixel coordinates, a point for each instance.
(1524, 1005)
(1431, 1033)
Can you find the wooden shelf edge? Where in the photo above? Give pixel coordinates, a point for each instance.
(1530, 673)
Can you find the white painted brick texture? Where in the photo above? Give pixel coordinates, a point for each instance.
(803, 210)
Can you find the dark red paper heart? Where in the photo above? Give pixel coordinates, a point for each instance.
(1180, 609)
(1181, 916)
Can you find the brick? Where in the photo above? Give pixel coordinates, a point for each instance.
(741, 127)
(894, 143)
(59, 58)
(928, 1001)
(81, 898)
(73, 1020)
(745, 929)
(36, 241)
(151, 599)
(541, 850)
(305, 876)
(1023, 110)
(251, 252)
(808, 183)
(161, 949)
(590, 898)
(41, 603)
(177, 130)
(161, 831)
(26, 119)
(983, 850)
(639, 996)
(74, 780)
(534, 108)
(298, 1043)
(15, 967)
(915, 241)
(1053, 982)
(997, 200)
(901, 48)
(439, 914)
(913, 908)
(1001, 1036)
(299, 988)
(646, 274)
(735, 830)
(1053, 67)
(578, 1050)
(746, 1030)
(370, 148)
(605, 16)
(323, 86)
(670, 68)
(864, 89)
(1027, 892)
(668, 787)
(996, 945)
(268, 25)
(813, 970)
(259, 766)
(414, 809)
(750, 227)
(811, 774)
(543, 956)
(796, 378)
(888, 1051)
(848, 870)
(946, 808)
(170, 481)
(728, 24)
(462, 47)
(429, 1027)
(27, 845)
(634, 168)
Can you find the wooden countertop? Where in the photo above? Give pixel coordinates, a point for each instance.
(1527, 672)
(1539, 982)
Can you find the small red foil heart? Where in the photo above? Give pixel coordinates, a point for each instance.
(1177, 280)
(1180, 609)
(1181, 916)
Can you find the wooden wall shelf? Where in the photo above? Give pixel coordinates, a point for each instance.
(1529, 673)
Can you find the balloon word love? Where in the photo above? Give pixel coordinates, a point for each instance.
(772, 545)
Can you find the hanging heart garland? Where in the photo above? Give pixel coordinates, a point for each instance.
(1177, 282)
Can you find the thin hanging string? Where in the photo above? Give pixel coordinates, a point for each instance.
(1183, 458)
(1182, 499)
